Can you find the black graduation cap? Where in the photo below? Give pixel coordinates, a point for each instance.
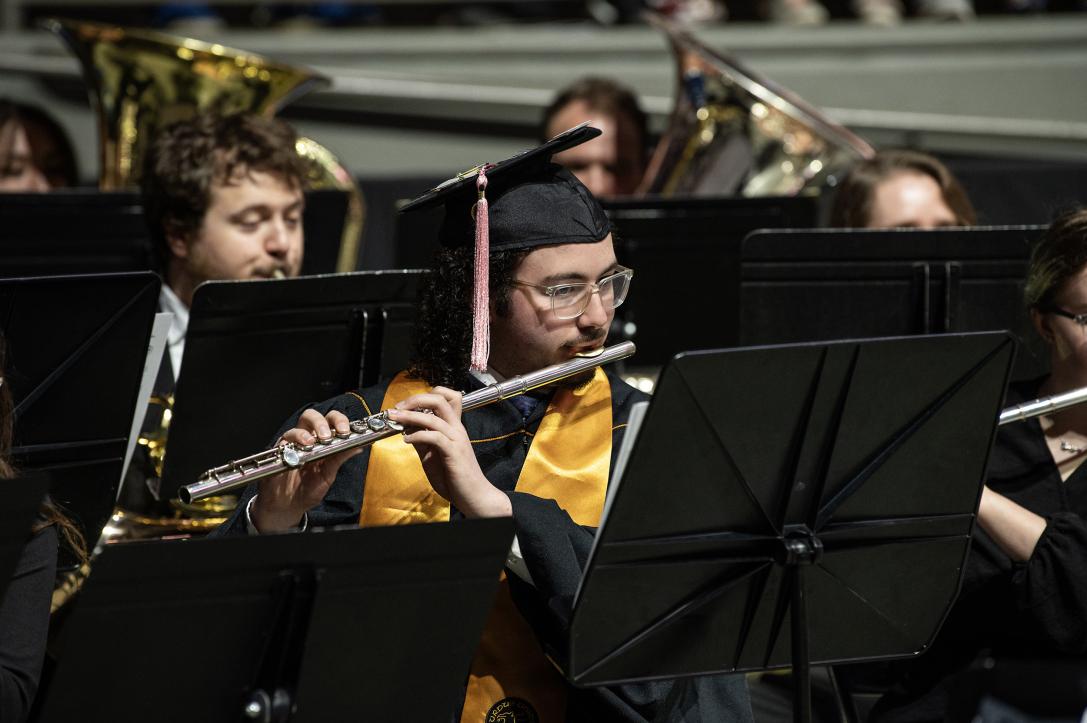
(523, 202)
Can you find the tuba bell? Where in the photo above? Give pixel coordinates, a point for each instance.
(140, 81)
(733, 132)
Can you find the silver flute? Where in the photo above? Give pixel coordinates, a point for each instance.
(1045, 405)
(378, 426)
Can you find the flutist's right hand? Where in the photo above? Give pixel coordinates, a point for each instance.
(283, 499)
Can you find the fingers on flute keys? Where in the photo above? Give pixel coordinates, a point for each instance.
(437, 411)
(314, 427)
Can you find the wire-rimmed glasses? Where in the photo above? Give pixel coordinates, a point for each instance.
(569, 301)
(1080, 319)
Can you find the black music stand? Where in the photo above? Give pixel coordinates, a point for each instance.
(685, 253)
(87, 231)
(72, 231)
(20, 500)
(815, 285)
(323, 224)
(818, 509)
(354, 624)
(76, 351)
(257, 351)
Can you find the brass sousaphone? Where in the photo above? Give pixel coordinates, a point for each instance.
(733, 132)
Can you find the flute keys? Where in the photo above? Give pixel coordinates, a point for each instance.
(358, 426)
(377, 423)
(290, 455)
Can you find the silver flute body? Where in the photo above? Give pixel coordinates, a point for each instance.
(376, 427)
(1045, 405)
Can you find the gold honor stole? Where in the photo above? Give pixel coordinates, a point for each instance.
(568, 462)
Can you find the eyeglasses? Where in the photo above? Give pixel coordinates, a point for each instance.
(1080, 319)
(569, 301)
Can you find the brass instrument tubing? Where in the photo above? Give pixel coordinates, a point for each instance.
(1045, 405)
(376, 427)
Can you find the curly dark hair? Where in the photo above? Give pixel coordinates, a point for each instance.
(853, 202)
(1058, 255)
(443, 331)
(187, 158)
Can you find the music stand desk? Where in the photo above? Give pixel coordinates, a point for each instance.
(76, 349)
(72, 231)
(819, 284)
(257, 351)
(85, 230)
(686, 256)
(337, 625)
(792, 505)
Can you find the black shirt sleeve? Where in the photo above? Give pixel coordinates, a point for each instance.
(24, 624)
(1052, 586)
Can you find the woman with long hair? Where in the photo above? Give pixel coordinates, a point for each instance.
(24, 610)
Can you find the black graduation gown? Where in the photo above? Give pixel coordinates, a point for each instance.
(1008, 611)
(555, 550)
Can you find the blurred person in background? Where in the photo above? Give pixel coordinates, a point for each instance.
(871, 12)
(35, 153)
(901, 189)
(613, 163)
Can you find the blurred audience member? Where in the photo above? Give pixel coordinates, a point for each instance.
(901, 189)
(613, 163)
(35, 153)
(873, 12)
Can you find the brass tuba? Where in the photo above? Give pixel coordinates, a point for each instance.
(140, 81)
(733, 132)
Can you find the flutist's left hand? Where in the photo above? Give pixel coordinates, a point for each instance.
(446, 453)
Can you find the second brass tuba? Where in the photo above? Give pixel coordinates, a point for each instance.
(733, 132)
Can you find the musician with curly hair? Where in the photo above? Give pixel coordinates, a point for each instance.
(223, 199)
(544, 458)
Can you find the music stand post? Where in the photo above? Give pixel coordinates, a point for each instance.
(835, 484)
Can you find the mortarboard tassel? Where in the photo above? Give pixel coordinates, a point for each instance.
(481, 321)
